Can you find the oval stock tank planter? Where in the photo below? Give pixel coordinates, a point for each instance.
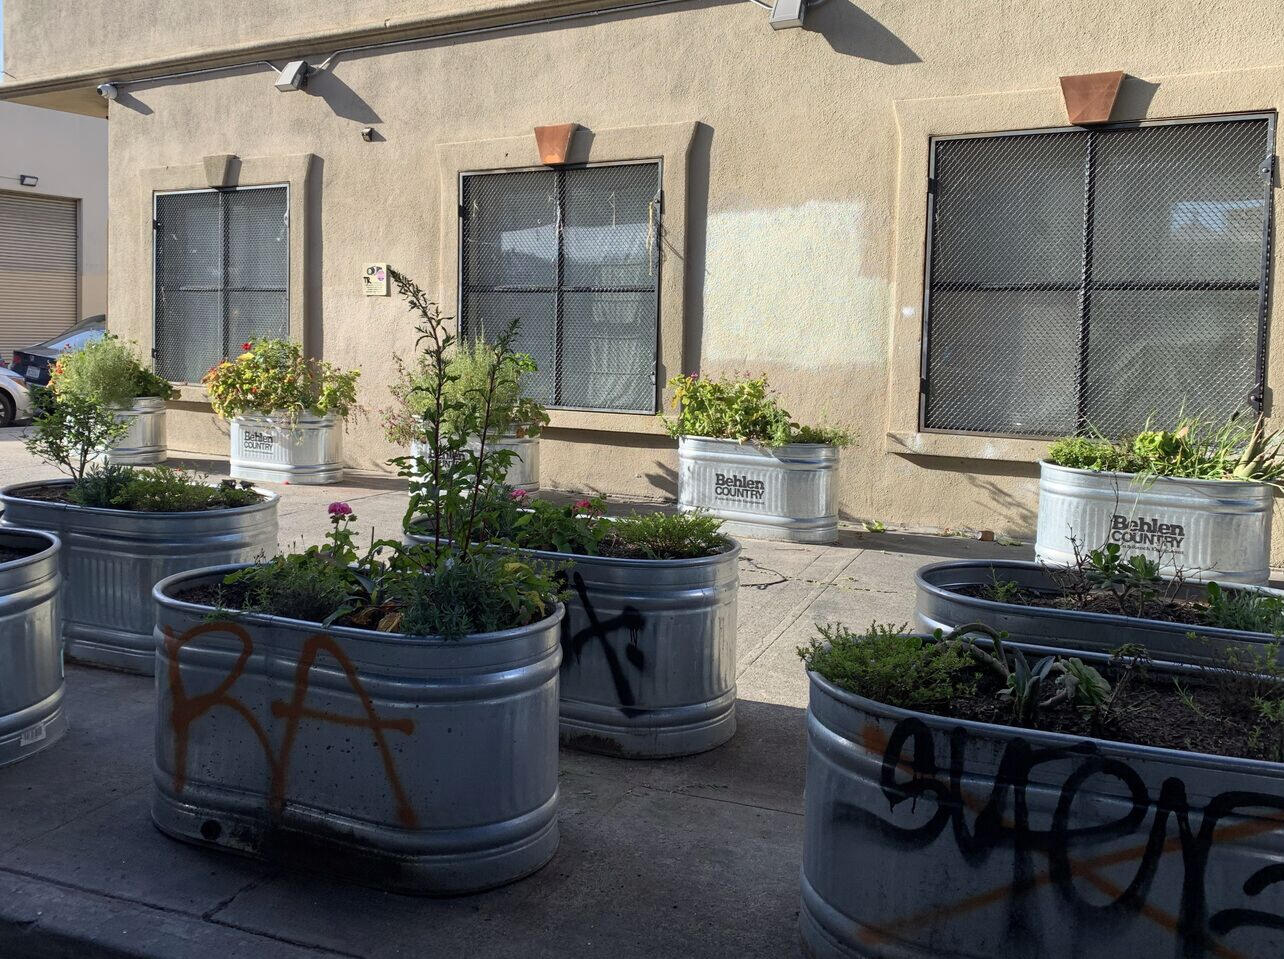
(31, 683)
(936, 838)
(112, 558)
(416, 764)
(144, 444)
(276, 448)
(648, 653)
(785, 493)
(1212, 529)
(523, 471)
(942, 605)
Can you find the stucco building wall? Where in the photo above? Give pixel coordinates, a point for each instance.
(805, 186)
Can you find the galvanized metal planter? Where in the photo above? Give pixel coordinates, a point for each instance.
(787, 493)
(523, 471)
(304, 450)
(112, 558)
(144, 444)
(31, 684)
(934, 838)
(1212, 529)
(415, 764)
(940, 605)
(648, 653)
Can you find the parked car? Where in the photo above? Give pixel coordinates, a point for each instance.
(36, 362)
(15, 401)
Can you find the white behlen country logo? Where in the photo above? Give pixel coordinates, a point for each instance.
(1147, 533)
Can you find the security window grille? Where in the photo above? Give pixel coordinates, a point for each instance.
(1093, 279)
(222, 261)
(572, 254)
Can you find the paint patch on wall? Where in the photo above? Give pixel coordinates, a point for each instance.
(786, 285)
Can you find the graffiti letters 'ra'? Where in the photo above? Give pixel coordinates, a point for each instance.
(186, 709)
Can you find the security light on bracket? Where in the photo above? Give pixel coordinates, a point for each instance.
(293, 76)
(787, 13)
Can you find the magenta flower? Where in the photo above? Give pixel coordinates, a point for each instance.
(584, 504)
(340, 509)
(518, 494)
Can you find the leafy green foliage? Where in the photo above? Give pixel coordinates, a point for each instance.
(1070, 679)
(157, 490)
(69, 430)
(1238, 449)
(468, 371)
(107, 371)
(525, 522)
(273, 376)
(1001, 591)
(1249, 610)
(666, 536)
(887, 664)
(739, 409)
(1133, 579)
(492, 591)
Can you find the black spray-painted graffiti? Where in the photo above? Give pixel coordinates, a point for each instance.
(602, 630)
(1002, 821)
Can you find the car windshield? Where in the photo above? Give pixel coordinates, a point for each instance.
(71, 340)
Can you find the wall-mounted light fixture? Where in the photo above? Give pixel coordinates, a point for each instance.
(787, 13)
(293, 76)
(28, 179)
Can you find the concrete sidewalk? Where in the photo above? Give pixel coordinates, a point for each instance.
(693, 857)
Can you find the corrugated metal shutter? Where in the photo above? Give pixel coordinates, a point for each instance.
(39, 269)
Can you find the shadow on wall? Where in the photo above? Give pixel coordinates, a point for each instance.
(1134, 97)
(339, 97)
(664, 480)
(1015, 517)
(697, 237)
(853, 32)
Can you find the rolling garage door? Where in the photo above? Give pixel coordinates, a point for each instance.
(39, 280)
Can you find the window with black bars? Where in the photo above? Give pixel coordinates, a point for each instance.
(1095, 279)
(573, 255)
(222, 267)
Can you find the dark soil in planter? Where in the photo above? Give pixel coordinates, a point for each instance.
(1181, 611)
(1209, 713)
(61, 494)
(8, 554)
(234, 597)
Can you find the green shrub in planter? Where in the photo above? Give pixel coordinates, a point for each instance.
(742, 410)
(107, 371)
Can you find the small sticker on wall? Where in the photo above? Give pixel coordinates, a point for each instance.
(375, 279)
(32, 735)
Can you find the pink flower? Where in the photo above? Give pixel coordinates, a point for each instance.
(340, 509)
(584, 504)
(518, 494)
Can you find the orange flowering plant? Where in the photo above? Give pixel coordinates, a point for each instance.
(273, 376)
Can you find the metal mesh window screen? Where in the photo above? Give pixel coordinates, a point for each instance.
(572, 254)
(1096, 278)
(222, 266)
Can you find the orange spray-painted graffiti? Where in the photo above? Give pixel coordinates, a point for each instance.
(186, 709)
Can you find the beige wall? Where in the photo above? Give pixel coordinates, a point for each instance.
(806, 191)
(69, 155)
